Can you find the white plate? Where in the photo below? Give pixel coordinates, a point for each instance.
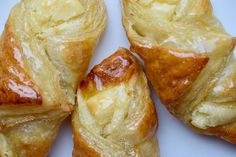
(175, 139)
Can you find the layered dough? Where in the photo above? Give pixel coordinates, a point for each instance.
(115, 115)
(45, 50)
(188, 58)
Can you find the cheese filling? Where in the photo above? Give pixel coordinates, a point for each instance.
(210, 114)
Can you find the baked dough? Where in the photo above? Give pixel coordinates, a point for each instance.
(189, 59)
(115, 115)
(45, 50)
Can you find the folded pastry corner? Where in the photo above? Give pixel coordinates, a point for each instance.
(45, 50)
(115, 115)
(189, 60)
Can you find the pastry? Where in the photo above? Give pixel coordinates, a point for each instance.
(115, 115)
(44, 52)
(189, 60)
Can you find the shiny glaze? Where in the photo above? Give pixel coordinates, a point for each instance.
(113, 70)
(175, 71)
(15, 85)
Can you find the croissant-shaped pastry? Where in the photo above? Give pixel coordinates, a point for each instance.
(44, 51)
(115, 116)
(189, 59)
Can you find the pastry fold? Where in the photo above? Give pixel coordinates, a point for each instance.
(189, 60)
(115, 115)
(45, 50)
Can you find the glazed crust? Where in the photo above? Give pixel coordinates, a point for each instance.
(190, 71)
(16, 87)
(45, 50)
(126, 126)
(177, 70)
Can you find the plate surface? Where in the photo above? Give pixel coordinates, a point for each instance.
(175, 139)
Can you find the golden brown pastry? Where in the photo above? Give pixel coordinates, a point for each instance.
(115, 116)
(189, 59)
(44, 51)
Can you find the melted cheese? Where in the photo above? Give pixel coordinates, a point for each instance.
(149, 2)
(64, 10)
(106, 110)
(145, 2)
(210, 114)
(163, 10)
(5, 151)
(225, 87)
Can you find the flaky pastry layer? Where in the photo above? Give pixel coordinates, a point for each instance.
(115, 115)
(45, 50)
(188, 58)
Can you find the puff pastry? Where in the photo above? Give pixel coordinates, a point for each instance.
(44, 51)
(115, 115)
(189, 59)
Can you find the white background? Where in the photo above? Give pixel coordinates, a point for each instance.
(175, 139)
